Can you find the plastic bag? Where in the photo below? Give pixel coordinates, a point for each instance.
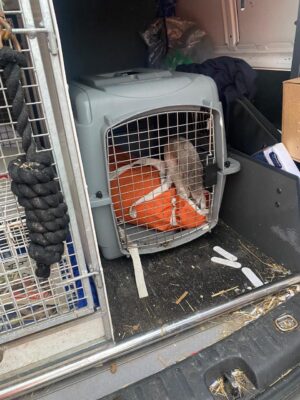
(155, 38)
(173, 41)
(175, 58)
(187, 39)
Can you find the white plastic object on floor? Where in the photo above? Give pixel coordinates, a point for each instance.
(228, 263)
(253, 278)
(224, 253)
(138, 272)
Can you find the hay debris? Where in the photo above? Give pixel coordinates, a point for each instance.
(240, 318)
(282, 376)
(243, 384)
(275, 269)
(182, 297)
(113, 368)
(224, 292)
(131, 329)
(240, 382)
(217, 388)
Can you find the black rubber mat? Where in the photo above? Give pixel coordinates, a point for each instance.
(188, 269)
(249, 362)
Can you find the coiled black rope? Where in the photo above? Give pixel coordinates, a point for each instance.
(33, 176)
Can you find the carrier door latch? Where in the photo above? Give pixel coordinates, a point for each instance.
(210, 175)
(231, 166)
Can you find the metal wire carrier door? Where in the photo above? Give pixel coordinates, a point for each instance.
(26, 303)
(142, 143)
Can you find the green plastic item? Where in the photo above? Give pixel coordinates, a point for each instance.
(174, 58)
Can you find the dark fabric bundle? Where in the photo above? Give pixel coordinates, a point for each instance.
(233, 76)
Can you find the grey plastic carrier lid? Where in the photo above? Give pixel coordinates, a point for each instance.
(139, 83)
(101, 81)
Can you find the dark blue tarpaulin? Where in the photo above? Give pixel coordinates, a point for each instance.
(233, 76)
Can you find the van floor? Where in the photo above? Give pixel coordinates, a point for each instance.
(186, 271)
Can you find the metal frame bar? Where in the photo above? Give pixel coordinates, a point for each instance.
(63, 293)
(88, 361)
(45, 97)
(91, 249)
(29, 30)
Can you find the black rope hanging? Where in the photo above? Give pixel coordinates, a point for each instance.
(32, 175)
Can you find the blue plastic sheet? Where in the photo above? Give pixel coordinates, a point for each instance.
(81, 301)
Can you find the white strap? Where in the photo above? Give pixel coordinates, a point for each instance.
(173, 221)
(166, 184)
(164, 187)
(154, 162)
(114, 174)
(199, 211)
(138, 271)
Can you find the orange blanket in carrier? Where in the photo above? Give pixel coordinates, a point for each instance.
(142, 195)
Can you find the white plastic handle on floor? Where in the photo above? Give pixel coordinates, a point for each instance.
(253, 278)
(228, 263)
(224, 253)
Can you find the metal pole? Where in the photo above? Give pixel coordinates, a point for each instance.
(29, 30)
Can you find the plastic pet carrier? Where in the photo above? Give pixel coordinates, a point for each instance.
(135, 128)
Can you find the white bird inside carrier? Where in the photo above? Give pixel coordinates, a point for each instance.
(151, 142)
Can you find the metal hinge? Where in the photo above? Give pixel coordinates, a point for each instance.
(52, 43)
